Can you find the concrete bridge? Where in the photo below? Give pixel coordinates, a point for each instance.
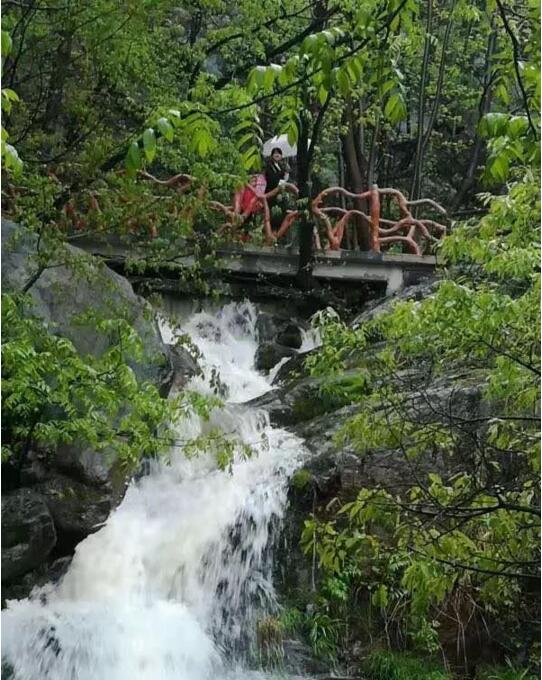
(345, 269)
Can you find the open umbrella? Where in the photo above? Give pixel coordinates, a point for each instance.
(281, 142)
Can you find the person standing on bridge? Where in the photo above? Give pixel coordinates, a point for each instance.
(277, 172)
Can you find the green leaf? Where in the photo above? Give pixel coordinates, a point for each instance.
(243, 125)
(386, 86)
(517, 126)
(493, 124)
(149, 144)
(395, 109)
(343, 81)
(6, 44)
(268, 79)
(165, 128)
(256, 78)
(133, 158)
(10, 159)
(244, 139)
(322, 95)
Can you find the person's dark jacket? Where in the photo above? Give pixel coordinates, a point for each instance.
(274, 172)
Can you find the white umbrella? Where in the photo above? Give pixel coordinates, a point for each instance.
(281, 142)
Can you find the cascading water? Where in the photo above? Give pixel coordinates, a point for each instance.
(170, 588)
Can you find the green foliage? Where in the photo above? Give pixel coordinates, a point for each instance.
(291, 620)
(10, 158)
(323, 634)
(301, 479)
(505, 673)
(223, 448)
(195, 87)
(467, 530)
(269, 636)
(52, 395)
(390, 666)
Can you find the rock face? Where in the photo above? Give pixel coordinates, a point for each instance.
(77, 509)
(72, 489)
(279, 338)
(183, 367)
(269, 354)
(63, 293)
(333, 473)
(377, 307)
(290, 336)
(28, 532)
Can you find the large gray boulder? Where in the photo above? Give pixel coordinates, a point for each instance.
(279, 338)
(74, 487)
(335, 472)
(270, 327)
(77, 509)
(269, 354)
(183, 367)
(83, 463)
(376, 308)
(44, 574)
(75, 284)
(28, 532)
(301, 400)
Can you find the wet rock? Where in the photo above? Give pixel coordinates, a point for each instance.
(84, 464)
(285, 330)
(44, 574)
(267, 327)
(299, 401)
(269, 354)
(299, 660)
(290, 405)
(183, 367)
(28, 532)
(376, 308)
(293, 369)
(290, 336)
(7, 671)
(77, 509)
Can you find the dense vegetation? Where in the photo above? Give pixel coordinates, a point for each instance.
(436, 97)
(462, 539)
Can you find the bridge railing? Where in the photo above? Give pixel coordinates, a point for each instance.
(415, 235)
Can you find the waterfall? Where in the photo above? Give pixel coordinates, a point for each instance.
(172, 586)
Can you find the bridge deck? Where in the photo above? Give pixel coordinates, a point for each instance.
(335, 266)
(341, 266)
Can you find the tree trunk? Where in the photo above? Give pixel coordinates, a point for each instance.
(483, 109)
(305, 279)
(57, 82)
(421, 102)
(355, 164)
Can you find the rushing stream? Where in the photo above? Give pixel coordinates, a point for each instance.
(172, 586)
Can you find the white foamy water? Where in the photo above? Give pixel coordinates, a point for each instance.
(172, 586)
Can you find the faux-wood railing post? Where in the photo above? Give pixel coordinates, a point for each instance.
(375, 218)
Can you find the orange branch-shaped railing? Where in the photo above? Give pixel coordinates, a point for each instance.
(409, 231)
(413, 233)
